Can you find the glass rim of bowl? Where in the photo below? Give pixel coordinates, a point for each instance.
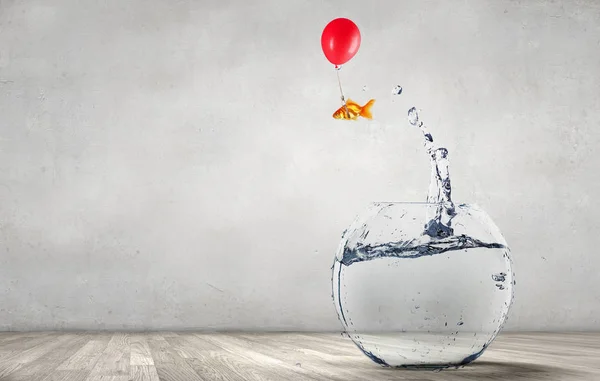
(424, 203)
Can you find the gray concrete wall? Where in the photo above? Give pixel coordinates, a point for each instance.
(174, 164)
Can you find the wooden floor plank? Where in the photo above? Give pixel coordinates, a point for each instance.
(67, 375)
(232, 364)
(19, 337)
(28, 344)
(327, 365)
(18, 361)
(272, 368)
(86, 357)
(140, 351)
(7, 369)
(295, 356)
(216, 367)
(38, 369)
(144, 373)
(211, 362)
(169, 365)
(170, 372)
(115, 359)
(107, 378)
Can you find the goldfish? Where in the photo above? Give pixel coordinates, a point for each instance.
(354, 110)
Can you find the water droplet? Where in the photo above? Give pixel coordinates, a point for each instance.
(365, 88)
(413, 116)
(397, 90)
(460, 323)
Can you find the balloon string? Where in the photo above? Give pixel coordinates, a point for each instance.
(337, 71)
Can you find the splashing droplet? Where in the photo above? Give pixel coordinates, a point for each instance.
(413, 116)
(397, 90)
(439, 187)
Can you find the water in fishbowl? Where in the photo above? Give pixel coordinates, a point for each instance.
(423, 284)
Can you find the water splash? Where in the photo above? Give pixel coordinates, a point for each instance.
(440, 189)
(438, 236)
(420, 247)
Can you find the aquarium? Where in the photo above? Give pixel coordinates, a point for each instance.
(423, 284)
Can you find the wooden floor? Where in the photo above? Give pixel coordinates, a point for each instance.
(171, 356)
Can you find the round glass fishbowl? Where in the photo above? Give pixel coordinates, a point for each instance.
(409, 298)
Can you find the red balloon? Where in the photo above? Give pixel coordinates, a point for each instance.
(340, 41)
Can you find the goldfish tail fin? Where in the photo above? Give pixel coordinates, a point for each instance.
(365, 112)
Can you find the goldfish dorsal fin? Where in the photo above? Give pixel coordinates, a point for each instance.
(351, 102)
(365, 111)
